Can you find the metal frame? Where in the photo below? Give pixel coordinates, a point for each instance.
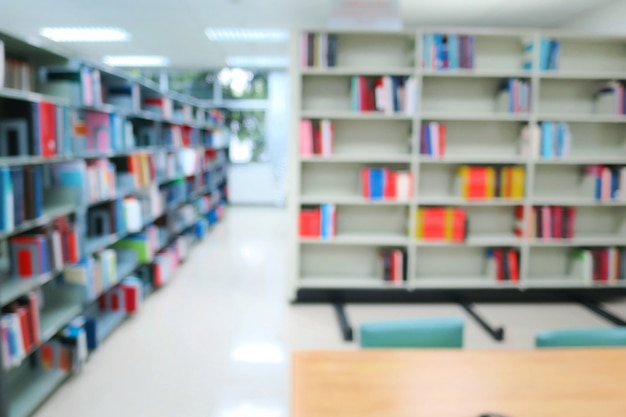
(344, 323)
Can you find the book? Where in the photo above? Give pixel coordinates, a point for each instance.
(438, 223)
(328, 220)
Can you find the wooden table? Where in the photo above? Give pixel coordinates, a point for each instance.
(458, 383)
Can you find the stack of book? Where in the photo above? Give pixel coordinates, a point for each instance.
(318, 222)
(548, 222)
(385, 184)
(316, 137)
(20, 330)
(85, 84)
(21, 195)
(393, 265)
(555, 140)
(390, 95)
(441, 223)
(318, 50)
(448, 51)
(18, 74)
(67, 351)
(141, 167)
(479, 182)
(506, 264)
(100, 180)
(610, 99)
(608, 182)
(513, 96)
(93, 275)
(433, 139)
(601, 264)
(549, 54)
(44, 250)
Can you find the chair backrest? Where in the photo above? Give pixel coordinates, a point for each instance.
(414, 333)
(611, 336)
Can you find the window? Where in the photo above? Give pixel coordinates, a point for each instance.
(247, 140)
(239, 83)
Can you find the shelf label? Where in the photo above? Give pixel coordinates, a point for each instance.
(381, 15)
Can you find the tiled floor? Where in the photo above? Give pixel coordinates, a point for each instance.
(216, 341)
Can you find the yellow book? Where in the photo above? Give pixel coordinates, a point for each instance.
(517, 182)
(449, 224)
(463, 174)
(419, 223)
(490, 190)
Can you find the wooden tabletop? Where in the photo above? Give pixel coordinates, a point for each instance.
(459, 383)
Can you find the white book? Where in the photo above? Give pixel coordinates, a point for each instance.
(404, 185)
(583, 266)
(534, 132)
(57, 250)
(411, 96)
(490, 268)
(379, 96)
(388, 95)
(132, 215)
(327, 138)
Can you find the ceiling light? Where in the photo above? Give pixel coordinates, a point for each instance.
(247, 35)
(258, 61)
(136, 61)
(85, 34)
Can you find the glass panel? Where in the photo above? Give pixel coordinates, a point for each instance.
(198, 84)
(238, 83)
(247, 141)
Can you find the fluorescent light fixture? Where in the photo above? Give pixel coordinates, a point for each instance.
(136, 61)
(247, 35)
(258, 61)
(85, 34)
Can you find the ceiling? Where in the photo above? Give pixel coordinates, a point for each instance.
(175, 28)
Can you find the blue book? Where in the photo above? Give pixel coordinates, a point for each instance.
(44, 255)
(120, 223)
(443, 53)
(453, 52)
(13, 348)
(544, 55)
(555, 47)
(91, 334)
(439, 51)
(17, 179)
(427, 142)
(511, 88)
(395, 85)
(428, 48)
(547, 136)
(528, 55)
(470, 52)
(6, 200)
(599, 187)
(377, 183)
(614, 183)
(324, 221)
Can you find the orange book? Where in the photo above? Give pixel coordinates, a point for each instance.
(46, 355)
(463, 174)
(419, 224)
(449, 224)
(477, 183)
(518, 225)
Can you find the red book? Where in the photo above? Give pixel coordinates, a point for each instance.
(157, 275)
(458, 227)
(47, 129)
(518, 227)
(434, 224)
(72, 246)
(442, 140)
(22, 314)
(390, 184)
(363, 94)
(497, 254)
(25, 263)
(365, 182)
(477, 183)
(310, 222)
(604, 265)
(115, 301)
(131, 298)
(557, 222)
(513, 265)
(571, 221)
(317, 137)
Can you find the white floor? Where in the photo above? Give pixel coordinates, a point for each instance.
(216, 341)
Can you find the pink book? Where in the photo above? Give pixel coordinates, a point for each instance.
(98, 131)
(306, 138)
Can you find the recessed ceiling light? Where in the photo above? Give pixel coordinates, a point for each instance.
(246, 35)
(85, 34)
(258, 61)
(136, 61)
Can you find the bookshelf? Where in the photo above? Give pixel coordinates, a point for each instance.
(106, 182)
(479, 133)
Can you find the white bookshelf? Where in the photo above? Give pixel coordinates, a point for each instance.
(478, 132)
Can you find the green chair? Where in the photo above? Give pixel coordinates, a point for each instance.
(611, 336)
(414, 333)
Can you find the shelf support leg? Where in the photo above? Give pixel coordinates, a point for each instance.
(595, 307)
(497, 333)
(344, 324)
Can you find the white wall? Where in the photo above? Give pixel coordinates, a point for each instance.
(609, 18)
